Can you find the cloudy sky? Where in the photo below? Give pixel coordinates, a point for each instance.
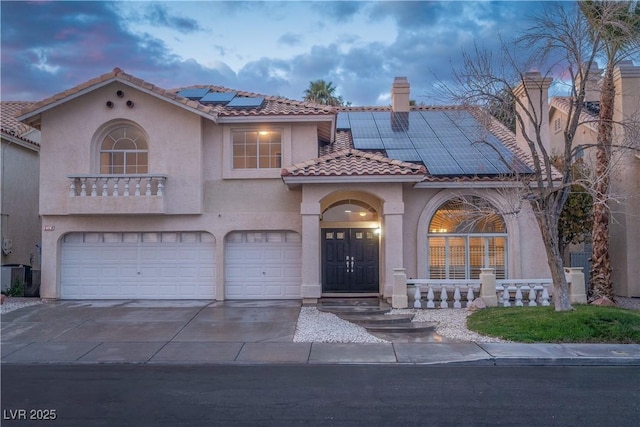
(273, 48)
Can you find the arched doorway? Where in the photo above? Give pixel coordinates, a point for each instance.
(350, 248)
(465, 235)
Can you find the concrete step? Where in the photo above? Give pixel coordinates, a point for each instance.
(354, 310)
(351, 302)
(414, 327)
(378, 319)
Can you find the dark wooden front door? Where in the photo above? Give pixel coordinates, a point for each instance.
(350, 260)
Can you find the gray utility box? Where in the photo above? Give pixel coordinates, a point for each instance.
(12, 272)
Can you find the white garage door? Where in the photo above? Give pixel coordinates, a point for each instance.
(263, 265)
(138, 265)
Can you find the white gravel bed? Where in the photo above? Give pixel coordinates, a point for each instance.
(451, 323)
(318, 326)
(14, 303)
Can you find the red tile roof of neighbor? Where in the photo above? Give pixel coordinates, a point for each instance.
(563, 103)
(10, 125)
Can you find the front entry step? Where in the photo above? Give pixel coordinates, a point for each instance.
(371, 314)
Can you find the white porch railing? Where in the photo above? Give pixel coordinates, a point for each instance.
(116, 185)
(531, 291)
(459, 293)
(460, 290)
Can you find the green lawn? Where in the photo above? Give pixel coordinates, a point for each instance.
(585, 324)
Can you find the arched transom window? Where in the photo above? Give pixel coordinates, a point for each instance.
(464, 236)
(124, 151)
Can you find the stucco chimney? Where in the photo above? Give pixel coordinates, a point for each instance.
(533, 92)
(592, 87)
(626, 78)
(400, 95)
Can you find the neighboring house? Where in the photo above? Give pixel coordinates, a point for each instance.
(210, 193)
(19, 182)
(625, 172)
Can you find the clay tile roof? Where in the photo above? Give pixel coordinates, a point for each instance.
(273, 105)
(563, 103)
(352, 162)
(10, 125)
(119, 75)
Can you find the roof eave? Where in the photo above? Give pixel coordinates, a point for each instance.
(277, 118)
(351, 179)
(34, 146)
(32, 117)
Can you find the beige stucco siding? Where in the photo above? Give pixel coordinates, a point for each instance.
(70, 141)
(19, 191)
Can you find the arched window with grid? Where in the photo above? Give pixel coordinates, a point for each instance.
(464, 236)
(124, 151)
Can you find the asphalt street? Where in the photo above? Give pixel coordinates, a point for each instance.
(345, 395)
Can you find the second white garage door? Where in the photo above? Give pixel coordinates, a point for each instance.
(263, 265)
(178, 265)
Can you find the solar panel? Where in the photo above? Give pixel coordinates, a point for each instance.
(397, 143)
(343, 121)
(218, 97)
(446, 142)
(368, 143)
(245, 102)
(193, 93)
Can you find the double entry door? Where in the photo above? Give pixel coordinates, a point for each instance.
(350, 260)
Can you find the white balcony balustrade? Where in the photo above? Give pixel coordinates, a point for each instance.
(117, 194)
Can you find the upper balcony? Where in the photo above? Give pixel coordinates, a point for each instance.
(132, 194)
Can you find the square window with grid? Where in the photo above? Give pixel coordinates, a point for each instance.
(257, 149)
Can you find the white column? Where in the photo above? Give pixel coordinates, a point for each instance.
(488, 287)
(575, 277)
(311, 288)
(392, 243)
(400, 298)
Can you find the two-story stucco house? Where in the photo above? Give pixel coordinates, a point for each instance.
(19, 170)
(210, 193)
(624, 228)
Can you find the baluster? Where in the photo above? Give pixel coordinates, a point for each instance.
(532, 297)
(83, 187)
(116, 187)
(456, 297)
(416, 297)
(148, 192)
(160, 186)
(470, 296)
(430, 297)
(519, 297)
(545, 295)
(505, 296)
(94, 187)
(105, 187)
(126, 186)
(72, 188)
(137, 193)
(443, 298)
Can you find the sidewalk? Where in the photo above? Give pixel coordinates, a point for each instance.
(244, 332)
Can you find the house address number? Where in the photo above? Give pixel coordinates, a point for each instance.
(49, 227)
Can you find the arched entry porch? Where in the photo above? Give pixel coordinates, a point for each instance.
(350, 246)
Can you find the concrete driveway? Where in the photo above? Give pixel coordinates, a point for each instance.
(137, 331)
(242, 332)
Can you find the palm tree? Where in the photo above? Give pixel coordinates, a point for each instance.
(322, 92)
(616, 25)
